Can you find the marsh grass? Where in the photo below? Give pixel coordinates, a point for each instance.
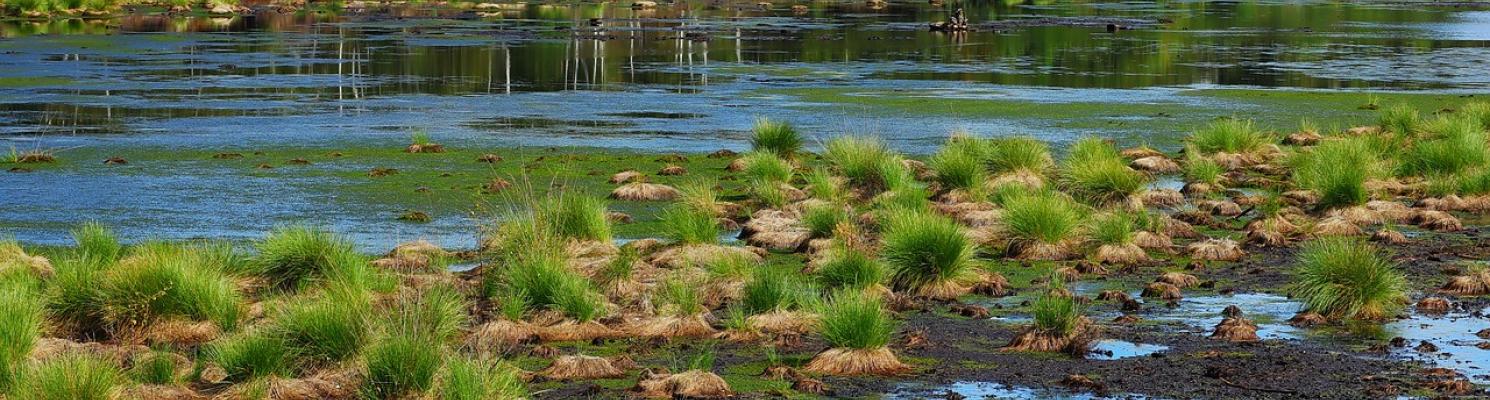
(22, 314)
(1019, 153)
(1115, 227)
(1056, 313)
(1400, 119)
(1230, 135)
(1477, 111)
(474, 379)
(822, 185)
(775, 137)
(765, 167)
(575, 216)
(1096, 172)
(419, 137)
(959, 164)
(327, 329)
(863, 160)
(854, 320)
(291, 255)
(70, 377)
(620, 268)
(700, 195)
(95, 240)
(686, 225)
(850, 268)
(546, 281)
(773, 289)
(399, 364)
(923, 249)
(679, 297)
(1337, 170)
(1457, 143)
(155, 368)
(823, 218)
(252, 354)
(1044, 217)
(164, 280)
(1346, 278)
(1200, 169)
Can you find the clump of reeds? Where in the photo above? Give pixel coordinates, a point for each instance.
(858, 328)
(1044, 225)
(1337, 170)
(1230, 135)
(1344, 278)
(929, 254)
(776, 137)
(1096, 172)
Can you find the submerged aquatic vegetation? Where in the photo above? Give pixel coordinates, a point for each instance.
(1230, 135)
(1346, 278)
(1337, 170)
(927, 253)
(1098, 174)
(776, 137)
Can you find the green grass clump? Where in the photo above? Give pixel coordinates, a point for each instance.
(775, 137)
(28, 6)
(291, 255)
(851, 268)
(1019, 153)
(1097, 173)
(97, 241)
(472, 379)
(70, 377)
(155, 368)
(329, 328)
(1458, 143)
(1401, 119)
(854, 320)
(823, 185)
(680, 297)
(1200, 169)
(1337, 170)
(22, 313)
(1056, 313)
(546, 281)
(959, 164)
(401, 364)
(1044, 217)
(575, 216)
(862, 159)
(772, 289)
(765, 167)
(1478, 112)
(689, 226)
(168, 280)
(1229, 135)
(250, 355)
(821, 219)
(1116, 228)
(1346, 278)
(924, 249)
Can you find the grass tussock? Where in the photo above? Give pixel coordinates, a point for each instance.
(575, 216)
(776, 137)
(1401, 119)
(686, 225)
(292, 255)
(1097, 173)
(251, 355)
(774, 289)
(927, 253)
(22, 314)
(1344, 278)
(329, 328)
(1230, 135)
(1337, 170)
(473, 379)
(866, 161)
(1454, 144)
(546, 281)
(1019, 153)
(959, 164)
(822, 219)
(853, 320)
(70, 377)
(158, 281)
(1043, 217)
(851, 268)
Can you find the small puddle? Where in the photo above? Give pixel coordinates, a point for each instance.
(1113, 349)
(1202, 313)
(991, 390)
(1454, 334)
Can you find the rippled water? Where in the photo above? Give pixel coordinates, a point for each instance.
(689, 76)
